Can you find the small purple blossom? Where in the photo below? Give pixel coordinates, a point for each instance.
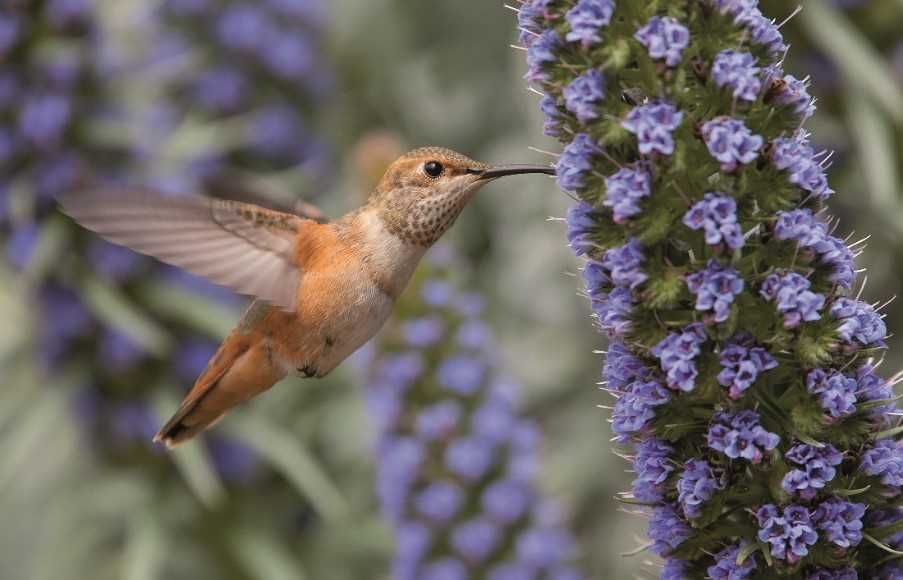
(653, 125)
(716, 214)
(582, 226)
(440, 501)
(738, 71)
(652, 467)
(739, 435)
(816, 467)
(666, 529)
(715, 289)
(726, 566)
(697, 484)
(793, 298)
(475, 539)
(583, 95)
(833, 574)
(635, 407)
(761, 30)
(741, 365)
(794, 93)
(858, 322)
(624, 264)
(462, 374)
(797, 157)
(885, 461)
(586, 19)
(731, 142)
(530, 18)
(423, 332)
(576, 162)
(874, 388)
(841, 521)
(790, 532)
(539, 54)
(812, 235)
(551, 116)
(674, 569)
(665, 38)
(835, 391)
(625, 189)
(677, 353)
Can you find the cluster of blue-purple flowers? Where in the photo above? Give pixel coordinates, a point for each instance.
(736, 355)
(456, 460)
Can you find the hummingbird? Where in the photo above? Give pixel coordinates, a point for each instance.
(320, 289)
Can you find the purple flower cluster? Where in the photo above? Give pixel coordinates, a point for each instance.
(587, 19)
(677, 354)
(456, 461)
(833, 574)
(638, 393)
(625, 189)
(816, 468)
(716, 215)
(652, 466)
(793, 298)
(697, 484)
(666, 38)
(738, 71)
(530, 16)
(624, 264)
(653, 124)
(761, 29)
(835, 391)
(731, 142)
(885, 461)
(612, 309)
(726, 566)
(793, 92)
(858, 322)
(741, 365)
(740, 436)
(667, 529)
(715, 289)
(575, 162)
(539, 54)
(841, 521)
(789, 531)
(812, 235)
(552, 117)
(583, 95)
(797, 157)
(582, 225)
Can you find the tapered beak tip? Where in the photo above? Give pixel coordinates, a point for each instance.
(505, 170)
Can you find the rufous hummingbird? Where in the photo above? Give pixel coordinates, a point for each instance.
(321, 290)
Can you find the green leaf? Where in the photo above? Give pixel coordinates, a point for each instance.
(113, 308)
(196, 311)
(145, 549)
(854, 54)
(287, 454)
(852, 492)
(263, 557)
(888, 530)
(889, 432)
(875, 150)
(881, 545)
(747, 551)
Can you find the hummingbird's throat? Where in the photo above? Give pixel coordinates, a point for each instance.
(422, 221)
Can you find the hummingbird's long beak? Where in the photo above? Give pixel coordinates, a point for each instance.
(503, 170)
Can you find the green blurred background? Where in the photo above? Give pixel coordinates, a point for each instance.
(283, 487)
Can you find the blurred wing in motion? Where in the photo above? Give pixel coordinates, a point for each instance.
(243, 246)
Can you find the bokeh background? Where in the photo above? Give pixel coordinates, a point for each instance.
(279, 101)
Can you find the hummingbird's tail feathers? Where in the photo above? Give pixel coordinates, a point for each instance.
(245, 247)
(241, 369)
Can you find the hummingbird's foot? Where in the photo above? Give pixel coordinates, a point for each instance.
(309, 372)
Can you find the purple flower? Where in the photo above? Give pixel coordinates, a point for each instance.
(885, 461)
(697, 484)
(726, 566)
(440, 501)
(462, 374)
(816, 469)
(674, 569)
(539, 54)
(858, 322)
(576, 162)
(795, 156)
(653, 125)
(423, 332)
(234, 461)
(741, 365)
(812, 235)
(625, 189)
(652, 467)
(790, 532)
(731, 142)
(552, 116)
(739, 435)
(667, 530)
(475, 539)
(623, 264)
(470, 457)
(836, 392)
(221, 89)
(586, 19)
(793, 297)
(583, 95)
(833, 574)
(841, 521)
(530, 18)
(43, 119)
(445, 569)
(738, 71)
(117, 262)
(715, 289)
(665, 38)
(438, 421)
(582, 227)
(541, 547)
(119, 351)
(635, 407)
(677, 354)
(874, 388)
(614, 311)
(244, 27)
(792, 92)
(716, 214)
(21, 245)
(761, 30)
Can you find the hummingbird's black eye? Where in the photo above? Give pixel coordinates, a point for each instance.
(433, 168)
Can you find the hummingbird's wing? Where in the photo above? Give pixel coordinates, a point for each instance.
(240, 245)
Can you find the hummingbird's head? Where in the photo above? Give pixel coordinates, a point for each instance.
(424, 191)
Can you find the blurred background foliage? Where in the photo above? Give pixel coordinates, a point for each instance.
(286, 100)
